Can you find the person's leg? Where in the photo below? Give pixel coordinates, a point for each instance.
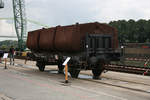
(10, 59)
(13, 59)
(1, 55)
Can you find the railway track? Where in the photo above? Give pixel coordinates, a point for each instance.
(122, 68)
(136, 59)
(128, 69)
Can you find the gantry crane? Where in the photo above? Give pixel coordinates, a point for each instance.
(1, 4)
(20, 21)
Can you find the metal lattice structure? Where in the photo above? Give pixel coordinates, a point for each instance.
(1, 4)
(20, 21)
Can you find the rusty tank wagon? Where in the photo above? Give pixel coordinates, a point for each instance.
(90, 46)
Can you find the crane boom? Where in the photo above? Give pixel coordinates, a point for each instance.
(20, 21)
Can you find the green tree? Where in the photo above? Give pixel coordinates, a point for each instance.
(132, 31)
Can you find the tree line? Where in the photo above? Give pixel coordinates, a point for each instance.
(5, 45)
(132, 31)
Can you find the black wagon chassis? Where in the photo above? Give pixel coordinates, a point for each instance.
(96, 52)
(101, 46)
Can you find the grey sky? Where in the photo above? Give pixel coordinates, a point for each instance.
(65, 12)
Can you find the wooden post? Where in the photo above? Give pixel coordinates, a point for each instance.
(25, 62)
(66, 73)
(5, 63)
(66, 68)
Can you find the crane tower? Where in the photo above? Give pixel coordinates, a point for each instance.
(20, 21)
(1, 4)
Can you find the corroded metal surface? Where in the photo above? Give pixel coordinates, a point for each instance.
(68, 38)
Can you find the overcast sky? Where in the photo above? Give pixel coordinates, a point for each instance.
(66, 12)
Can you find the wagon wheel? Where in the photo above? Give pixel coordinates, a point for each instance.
(41, 66)
(74, 72)
(97, 71)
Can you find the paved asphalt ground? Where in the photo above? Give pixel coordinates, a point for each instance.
(20, 83)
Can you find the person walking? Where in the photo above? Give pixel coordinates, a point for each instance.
(11, 55)
(1, 55)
